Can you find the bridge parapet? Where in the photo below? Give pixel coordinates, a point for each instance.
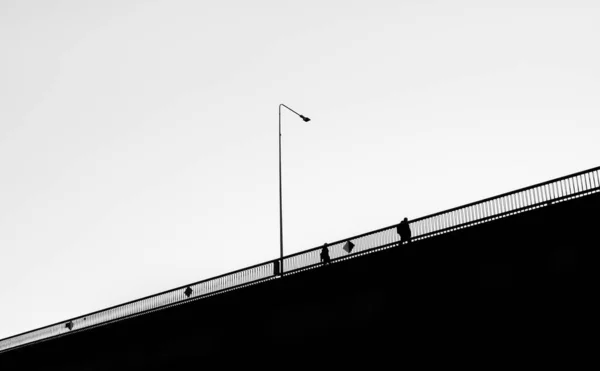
(522, 200)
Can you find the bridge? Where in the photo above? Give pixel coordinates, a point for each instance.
(500, 278)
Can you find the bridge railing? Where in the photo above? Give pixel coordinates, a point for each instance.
(518, 201)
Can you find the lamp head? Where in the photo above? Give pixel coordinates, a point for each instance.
(306, 119)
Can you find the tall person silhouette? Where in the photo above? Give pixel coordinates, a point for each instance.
(403, 230)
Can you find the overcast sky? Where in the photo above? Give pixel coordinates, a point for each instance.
(138, 139)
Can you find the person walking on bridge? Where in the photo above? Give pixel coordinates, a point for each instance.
(325, 259)
(403, 230)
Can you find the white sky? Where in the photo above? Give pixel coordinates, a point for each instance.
(138, 139)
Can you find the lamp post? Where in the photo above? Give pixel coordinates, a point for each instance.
(306, 119)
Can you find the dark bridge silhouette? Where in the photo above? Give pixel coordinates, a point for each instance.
(500, 278)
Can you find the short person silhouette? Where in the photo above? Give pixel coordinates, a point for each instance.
(325, 259)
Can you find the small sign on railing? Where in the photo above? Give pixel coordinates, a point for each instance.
(348, 246)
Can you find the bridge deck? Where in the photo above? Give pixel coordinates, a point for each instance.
(521, 284)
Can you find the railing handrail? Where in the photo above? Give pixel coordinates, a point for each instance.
(452, 209)
(265, 263)
(143, 298)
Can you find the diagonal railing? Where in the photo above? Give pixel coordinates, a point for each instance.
(518, 201)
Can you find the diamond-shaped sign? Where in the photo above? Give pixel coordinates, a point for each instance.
(69, 325)
(348, 246)
(188, 291)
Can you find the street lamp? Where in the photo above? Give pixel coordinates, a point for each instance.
(306, 119)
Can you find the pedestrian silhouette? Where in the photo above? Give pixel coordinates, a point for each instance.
(325, 259)
(403, 230)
